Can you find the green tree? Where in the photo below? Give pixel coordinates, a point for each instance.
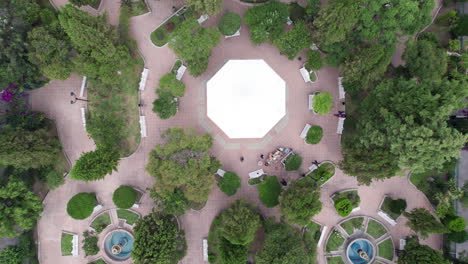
(168, 83)
(314, 60)
(266, 21)
(425, 60)
(50, 53)
(231, 253)
(95, 165)
(416, 253)
(19, 208)
(172, 203)
(184, 161)
(294, 41)
(210, 7)
(90, 246)
(457, 224)
(283, 244)
(22, 148)
(158, 240)
(424, 223)
(229, 24)
(81, 205)
(166, 105)
(193, 44)
(239, 223)
(10, 255)
(301, 201)
(343, 207)
(229, 183)
(124, 197)
(82, 2)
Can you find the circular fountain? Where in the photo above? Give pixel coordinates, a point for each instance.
(360, 251)
(118, 245)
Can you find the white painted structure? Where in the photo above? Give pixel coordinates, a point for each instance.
(341, 90)
(180, 72)
(83, 117)
(235, 34)
(355, 209)
(387, 218)
(339, 129)
(144, 78)
(221, 172)
(75, 245)
(304, 131)
(322, 236)
(205, 250)
(143, 126)
(246, 98)
(83, 86)
(402, 244)
(311, 101)
(305, 74)
(256, 174)
(97, 208)
(202, 19)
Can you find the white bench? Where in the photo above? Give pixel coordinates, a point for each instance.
(305, 74)
(205, 250)
(235, 34)
(402, 244)
(341, 90)
(74, 245)
(221, 172)
(143, 126)
(97, 208)
(202, 19)
(180, 72)
(322, 236)
(83, 117)
(304, 131)
(311, 101)
(256, 174)
(387, 218)
(355, 209)
(339, 129)
(144, 78)
(83, 86)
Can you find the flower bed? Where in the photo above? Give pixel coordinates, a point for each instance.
(393, 208)
(66, 244)
(323, 173)
(101, 222)
(160, 36)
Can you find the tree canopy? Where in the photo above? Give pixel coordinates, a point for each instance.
(415, 253)
(158, 240)
(266, 21)
(424, 223)
(239, 223)
(283, 245)
(210, 7)
(294, 41)
(184, 161)
(19, 208)
(425, 60)
(193, 44)
(95, 165)
(301, 201)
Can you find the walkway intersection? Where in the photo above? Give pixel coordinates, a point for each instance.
(131, 170)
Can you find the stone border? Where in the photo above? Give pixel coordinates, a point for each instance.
(328, 161)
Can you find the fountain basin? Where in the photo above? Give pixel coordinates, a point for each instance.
(118, 245)
(358, 250)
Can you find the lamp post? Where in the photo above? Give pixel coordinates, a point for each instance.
(76, 98)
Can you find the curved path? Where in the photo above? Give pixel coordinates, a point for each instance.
(53, 100)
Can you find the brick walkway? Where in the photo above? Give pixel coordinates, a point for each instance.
(131, 170)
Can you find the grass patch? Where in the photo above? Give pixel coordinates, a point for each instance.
(375, 229)
(138, 8)
(311, 237)
(386, 249)
(353, 224)
(269, 190)
(129, 216)
(229, 183)
(335, 241)
(293, 162)
(335, 260)
(352, 195)
(101, 222)
(323, 173)
(66, 244)
(394, 208)
(99, 261)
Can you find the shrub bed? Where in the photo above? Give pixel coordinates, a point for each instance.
(351, 195)
(129, 216)
(269, 191)
(160, 36)
(343, 207)
(393, 208)
(386, 249)
(101, 222)
(229, 24)
(293, 162)
(322, 103)
(335, 241)
(314, 135)
(375, 229)
(314, 60)
(124, 197)
(229, 183)
(323, 173)
(353, 224)
(90, 246)
(66, 244)
(81, 205)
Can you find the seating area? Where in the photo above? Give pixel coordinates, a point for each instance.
(144, 78)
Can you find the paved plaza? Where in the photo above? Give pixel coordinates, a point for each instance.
(54, 98)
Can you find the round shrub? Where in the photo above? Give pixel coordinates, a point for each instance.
(397, 206)
(314, 60)
(124, 197)
(314, 135)
(165, 106)
(458, 237)
(81, 205)
(229, 24)
(229, 183)
(457, 224)
(343, 207)
(322, 103)
(293, 162)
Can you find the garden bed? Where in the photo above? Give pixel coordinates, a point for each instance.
(353, 224)
(269, 191)
(98, 261)
(335, 260)
(375, 229)
(393, 208)
(351, 195)
(229, 183)
(293, 162)
(322, 103)
(130, 217)
(138, 8)
(324, 172)
(335, 241)
(101, 222)
(66, 244)
(386, 249)
(160, 36)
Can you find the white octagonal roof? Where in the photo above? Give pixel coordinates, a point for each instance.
(246, 98)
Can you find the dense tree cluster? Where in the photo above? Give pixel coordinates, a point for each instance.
(425, 60)
(424, 223)
(415, 253)
(184, 161)
(169, 89)
(210, 7)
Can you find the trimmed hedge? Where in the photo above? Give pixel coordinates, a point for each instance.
(322, 103)
(343, 207)
(124, 197)
(314, 60)
(269, 191)
(81, 205)
(314, 135)
(229, 183)
(229, 24)
(293, 162)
